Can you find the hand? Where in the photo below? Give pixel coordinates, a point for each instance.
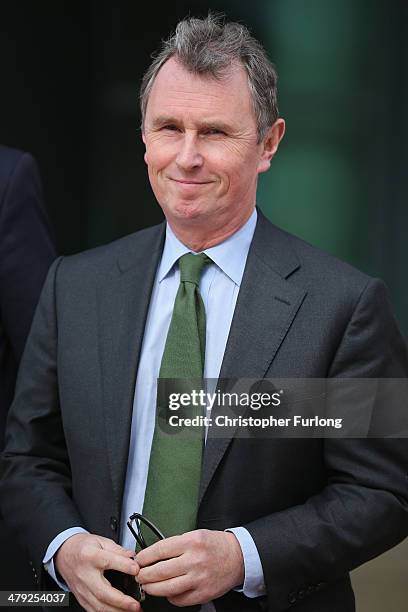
(192, 568)
(81, 561)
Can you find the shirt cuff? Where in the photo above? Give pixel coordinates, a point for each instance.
(254, 583)
(48, 560)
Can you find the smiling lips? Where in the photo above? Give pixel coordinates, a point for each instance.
(187, 182)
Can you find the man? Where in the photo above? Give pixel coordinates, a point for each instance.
(26, 252)
(271, 522)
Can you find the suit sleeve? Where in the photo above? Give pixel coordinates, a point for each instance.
(26, 251)
(363, 509)
(35, 460)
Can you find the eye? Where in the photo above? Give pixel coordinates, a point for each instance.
(214, 132)
(170, 127)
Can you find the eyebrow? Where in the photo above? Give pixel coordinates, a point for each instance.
(216, 124)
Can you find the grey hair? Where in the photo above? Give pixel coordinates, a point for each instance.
(210, 46)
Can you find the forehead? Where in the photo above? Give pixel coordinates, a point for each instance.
(176, 91)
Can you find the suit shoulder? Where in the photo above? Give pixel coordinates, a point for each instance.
(10, 161)
(312, 266)
(328, 266)
(114, 256)
(325, 277)
(334, 288)
(9, 156)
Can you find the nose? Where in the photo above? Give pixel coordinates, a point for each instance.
(189, 156)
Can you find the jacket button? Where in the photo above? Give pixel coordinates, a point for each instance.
(301, 593)
(113, 523)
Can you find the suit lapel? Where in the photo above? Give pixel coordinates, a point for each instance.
(266, 306)
(123, 305)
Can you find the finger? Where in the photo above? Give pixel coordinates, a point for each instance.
(107, 608)
(109, 597)
(169, 588)
(162, 570)
(94, 604)
(107, 560)
(108, 544)
(88, 601)
(164, 549)
(189, 598)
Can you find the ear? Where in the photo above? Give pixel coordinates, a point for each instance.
(270, 144)
(145, 153)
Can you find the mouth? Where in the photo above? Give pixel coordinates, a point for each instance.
(189, 182)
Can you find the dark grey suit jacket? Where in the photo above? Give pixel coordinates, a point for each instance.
(315, 508)
(26, 253)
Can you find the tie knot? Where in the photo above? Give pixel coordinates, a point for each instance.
(191, 267)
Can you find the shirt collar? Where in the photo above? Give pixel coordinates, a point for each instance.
(229, 255)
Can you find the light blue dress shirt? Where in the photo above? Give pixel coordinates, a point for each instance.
(219, 287)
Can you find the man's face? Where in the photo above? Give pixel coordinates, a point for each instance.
(201, 146)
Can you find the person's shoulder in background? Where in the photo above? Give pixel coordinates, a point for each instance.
(27, 249)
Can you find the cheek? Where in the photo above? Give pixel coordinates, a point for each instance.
(242, 180)
(158, 155)
(235, 161)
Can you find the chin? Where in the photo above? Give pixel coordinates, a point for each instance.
(187, 211)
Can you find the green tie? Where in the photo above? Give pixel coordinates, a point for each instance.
(171, 497)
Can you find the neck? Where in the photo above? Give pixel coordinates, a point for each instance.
(197, 237)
